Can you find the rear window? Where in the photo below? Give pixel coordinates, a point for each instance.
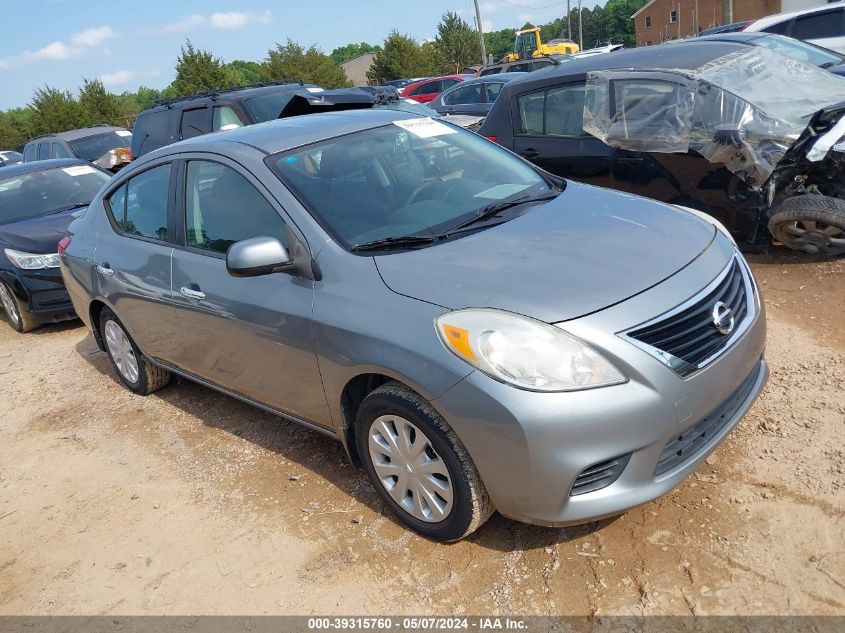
(93, 147)
(268, 107)
(152, 130)
(490, 71)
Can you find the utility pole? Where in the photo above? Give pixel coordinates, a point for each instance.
(480, 33)
(580, 30)
(568, 22)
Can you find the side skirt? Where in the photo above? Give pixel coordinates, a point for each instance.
(242, 398)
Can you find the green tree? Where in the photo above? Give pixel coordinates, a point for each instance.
(15, 127)
(55, 110)
(197, 70)
(296, 63)
(98, 104)
(401, 57)
(244, 73)
(618, 25)
(499, 43)
(146, 97)
(458, 43)
(351, 51)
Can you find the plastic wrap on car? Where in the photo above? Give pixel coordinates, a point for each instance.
(743, 110)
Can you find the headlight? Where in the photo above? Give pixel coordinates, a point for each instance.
(523, 352)
(32, 261)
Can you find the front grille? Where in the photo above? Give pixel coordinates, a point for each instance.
(688, 336)
(599, 475)
(696, 438)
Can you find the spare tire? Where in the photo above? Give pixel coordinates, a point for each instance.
(810, 223)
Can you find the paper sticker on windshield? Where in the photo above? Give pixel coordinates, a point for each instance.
(78, 170)
(424, 128)
(123, 132)
(314, 89)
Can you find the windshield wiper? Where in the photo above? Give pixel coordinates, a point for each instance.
(398, 241)
(828, 64)
(491, 210)
(75, 205)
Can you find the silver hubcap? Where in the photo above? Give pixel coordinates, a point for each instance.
(8, 303)
(409, 468)
(814, 237)
(121, 351)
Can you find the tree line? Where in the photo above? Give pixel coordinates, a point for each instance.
(455, 47)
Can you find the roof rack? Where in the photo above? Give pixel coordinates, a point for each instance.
(199, 94)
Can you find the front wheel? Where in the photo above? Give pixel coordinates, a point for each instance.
(18, 319)
(419, 466)
(810, 223)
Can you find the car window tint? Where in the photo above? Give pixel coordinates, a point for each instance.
(144, 204)
(29, 152)
(58, 150)
(225, 119)
(531, 113)
(222, 207)
(43, 151)
(194, 123)
(448, 83)
(818, 25)
(153, 130)
(781, 28)
(493, 90)
(520, 68)
(431, 88)
(464, 95)
(540, 64)
(565, 111)
(491, 71)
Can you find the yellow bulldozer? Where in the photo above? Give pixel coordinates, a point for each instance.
(529, 44)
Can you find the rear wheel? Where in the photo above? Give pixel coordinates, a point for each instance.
(18, 319)
(810, 223)
(133, 368)
(419, 466)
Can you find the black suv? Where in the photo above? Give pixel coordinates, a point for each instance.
(178, 119)
(523, 65)
(104, 145)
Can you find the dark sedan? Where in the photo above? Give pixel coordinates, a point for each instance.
(474, 96)
(796, 49)
(37, 202)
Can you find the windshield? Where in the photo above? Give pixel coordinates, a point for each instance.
(411, 177)
(91, 148)
(268, 106)
(799, 50)
(48, 191)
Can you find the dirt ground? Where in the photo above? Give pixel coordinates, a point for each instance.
(188, 502)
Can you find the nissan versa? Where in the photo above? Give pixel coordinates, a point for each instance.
(478, 334)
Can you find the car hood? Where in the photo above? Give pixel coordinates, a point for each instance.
(38, 235)
(584, 251)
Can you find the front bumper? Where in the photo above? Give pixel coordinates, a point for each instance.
(530, 447)
(42, 295)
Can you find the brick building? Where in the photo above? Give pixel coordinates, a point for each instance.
(661, 20)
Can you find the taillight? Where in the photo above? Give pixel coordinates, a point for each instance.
(63, 244)
(491, 138)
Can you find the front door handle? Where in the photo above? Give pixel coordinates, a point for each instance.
(530, 153)
(190, 293)
(105, 269)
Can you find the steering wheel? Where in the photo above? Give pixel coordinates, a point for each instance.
(446, 187)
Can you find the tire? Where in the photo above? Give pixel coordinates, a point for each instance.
(20, 320)
(461, 503)
(135, 371)
(810, 223)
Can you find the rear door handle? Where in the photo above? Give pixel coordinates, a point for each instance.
(105, 269)
(530, 153)
(190, 293)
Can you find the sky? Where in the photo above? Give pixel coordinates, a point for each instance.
(128, 44)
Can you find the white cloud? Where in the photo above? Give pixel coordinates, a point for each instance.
(487, 25)
(79, 42)
(488, 7)
(219, 20)
(117, 78)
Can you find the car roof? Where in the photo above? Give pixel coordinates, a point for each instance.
(40, 165)
(414, 84)
(284, 134)
(737, 36)
(498, 77)
(769, 20)
(687, 55)
(72, 135)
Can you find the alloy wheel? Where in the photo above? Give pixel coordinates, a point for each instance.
(409, 468)
(9, 304)
(120, 349)
(812, 236)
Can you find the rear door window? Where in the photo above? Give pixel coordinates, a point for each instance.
(225, 118)
(29, 152)
(531, 113)
(490, 71)
(464, 95)
(43, 151)
(543, 63)
(430, 88)
(139, 207)
(195, 123)
(58, 150)
(781, 28)
(520, 68)
(565, 111)
(493, 90)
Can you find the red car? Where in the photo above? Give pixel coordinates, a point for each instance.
(427, 90)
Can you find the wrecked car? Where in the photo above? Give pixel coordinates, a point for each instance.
(105, 146)
(742, 133)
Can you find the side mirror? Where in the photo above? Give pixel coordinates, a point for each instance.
(257, 256)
